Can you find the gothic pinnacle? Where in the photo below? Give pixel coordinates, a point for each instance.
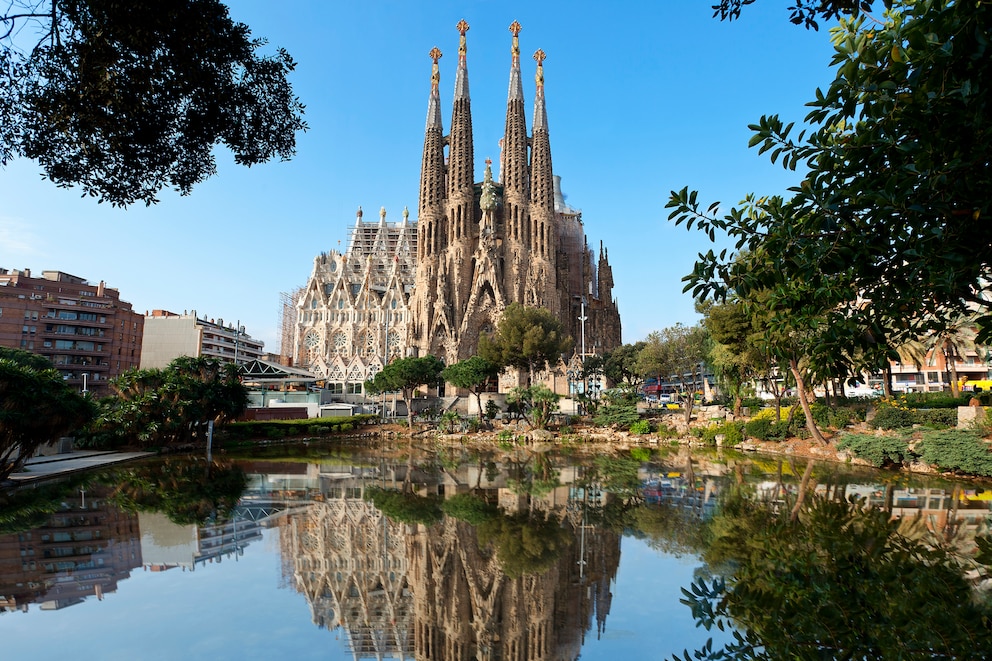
(461, 77)
(540, 113)
(434, 103)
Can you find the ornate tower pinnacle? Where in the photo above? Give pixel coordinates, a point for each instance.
(515, 49)
(461, 76)
(463, 27)
(435, 71)
(540, 113)
(460, 157)
(540, 56)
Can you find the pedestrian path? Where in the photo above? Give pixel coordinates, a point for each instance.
(40, 468)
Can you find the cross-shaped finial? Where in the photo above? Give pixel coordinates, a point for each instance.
(514, 28)
(462, 27)
(540, 56)
(435, 54)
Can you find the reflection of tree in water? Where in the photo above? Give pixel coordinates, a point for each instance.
(189, 490)
(806, 575)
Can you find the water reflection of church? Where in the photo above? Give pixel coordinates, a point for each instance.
(432, 592)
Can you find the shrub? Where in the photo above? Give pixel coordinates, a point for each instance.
(888, 416)
(758, 428)
(879, 450)
(470, 508)
(642, 455)
(956, 450)
(753, 403)
(934, 400)
(936, 418)
(842, 416)
(821, 414)
(640, 427)
(733, 433)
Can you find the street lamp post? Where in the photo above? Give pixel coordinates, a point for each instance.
(85, 375)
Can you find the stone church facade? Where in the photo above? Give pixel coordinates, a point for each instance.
(434, 286)
(482, 246)
(353, 313)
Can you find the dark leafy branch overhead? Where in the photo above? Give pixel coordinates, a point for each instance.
(886, 236)
(125, 98)
(803, 12)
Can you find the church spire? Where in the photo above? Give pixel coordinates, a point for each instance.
(461, 160)
(513, 159)
(541, 175)
(434, 104)
(432, 169)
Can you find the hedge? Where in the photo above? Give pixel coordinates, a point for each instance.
(275, 429)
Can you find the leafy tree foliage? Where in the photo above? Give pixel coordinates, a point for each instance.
(886, 236)
(838, 581)
(163, 406)
(526, 543)
(404, 375)
(470, 508)
(803, 12)
(124, 99)
(189, 490)
(472, 374)
(27, 509)
(526, 338)
(620, 365)
(538, 401)
(676, 353)
(36, 407)
(405, 506)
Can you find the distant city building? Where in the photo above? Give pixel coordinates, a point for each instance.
(169, 335)
(86, 330)
(83, 550)
(353, 312)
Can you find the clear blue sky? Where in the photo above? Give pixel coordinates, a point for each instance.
(641, 100)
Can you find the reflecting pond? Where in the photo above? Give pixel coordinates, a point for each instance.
(361, 553)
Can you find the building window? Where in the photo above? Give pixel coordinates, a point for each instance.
(355, 388)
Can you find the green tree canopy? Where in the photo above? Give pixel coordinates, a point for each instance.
(676, 353)
(801, 12)
(526, 338)
(404, 375)
(838, 581)
(887, 234)
(36, 407)
(165, 406)
(620, 365)
(124, 99)
(472, 374)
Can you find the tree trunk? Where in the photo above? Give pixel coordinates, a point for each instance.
(408, 398)
(803, 488)
(953, 366)
(887, 381)
(801, 388)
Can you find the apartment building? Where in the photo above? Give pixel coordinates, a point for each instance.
(168, 335)
(86, 330)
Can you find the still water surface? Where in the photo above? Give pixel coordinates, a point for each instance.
(584, 558)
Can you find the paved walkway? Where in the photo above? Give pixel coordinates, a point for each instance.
(40, 468)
